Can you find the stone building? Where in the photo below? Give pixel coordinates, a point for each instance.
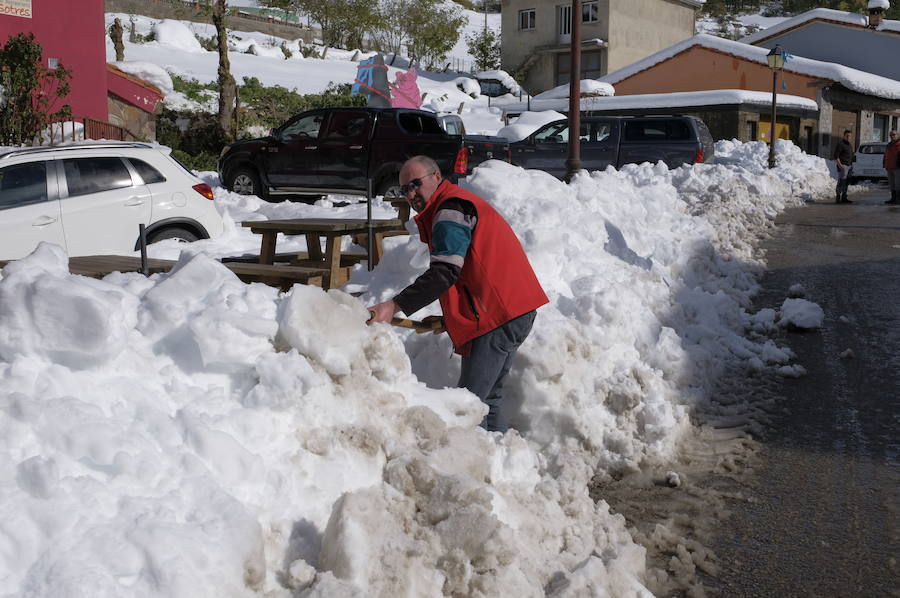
(536, 36)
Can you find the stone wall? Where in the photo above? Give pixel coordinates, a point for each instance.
(139, 124)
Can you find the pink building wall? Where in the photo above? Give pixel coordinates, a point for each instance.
(72, 31)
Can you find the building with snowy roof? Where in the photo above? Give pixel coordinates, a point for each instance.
(846, 98)
(854, 40)
(72, 34)
(536, 36)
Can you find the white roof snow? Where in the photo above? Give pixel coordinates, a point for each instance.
(853, 18)
(856, 80)
(718, 97)
(588, 86)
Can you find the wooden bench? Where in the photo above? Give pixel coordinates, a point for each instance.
(283, 277)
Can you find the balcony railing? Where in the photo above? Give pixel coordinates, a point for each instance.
(79, 129)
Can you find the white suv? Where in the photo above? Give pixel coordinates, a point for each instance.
(90, 198)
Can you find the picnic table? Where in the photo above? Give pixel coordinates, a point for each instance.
(316, 229)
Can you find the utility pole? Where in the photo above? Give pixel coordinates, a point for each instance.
(573, 163)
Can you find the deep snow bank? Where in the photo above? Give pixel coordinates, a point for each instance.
(190, 435)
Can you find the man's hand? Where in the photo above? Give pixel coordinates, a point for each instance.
(382, 312)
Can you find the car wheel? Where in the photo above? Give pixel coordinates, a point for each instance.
(245, 181)
(389, 188)
(179, 234)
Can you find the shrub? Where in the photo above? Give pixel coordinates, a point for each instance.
(29, 91)
(193, 89)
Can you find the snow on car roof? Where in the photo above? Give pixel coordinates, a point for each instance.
(856, 80)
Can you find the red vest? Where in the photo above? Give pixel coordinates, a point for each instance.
(496, 283)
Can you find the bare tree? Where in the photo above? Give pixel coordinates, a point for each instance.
(227, 86)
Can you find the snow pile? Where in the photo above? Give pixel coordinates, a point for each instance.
(588, 87)
(190, 435)
(176, 35)
(149, 72)
(648, 292)
(800, 313)
(468, 86)
(267, 51)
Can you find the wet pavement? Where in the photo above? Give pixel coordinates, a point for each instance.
(823, 515)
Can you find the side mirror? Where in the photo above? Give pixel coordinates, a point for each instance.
(272, 133)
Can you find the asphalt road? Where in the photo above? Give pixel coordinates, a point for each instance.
(823, 519)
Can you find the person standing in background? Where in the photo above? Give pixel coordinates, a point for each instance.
(892, 166)
(843, 156)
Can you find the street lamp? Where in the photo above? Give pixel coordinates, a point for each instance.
(776, 63)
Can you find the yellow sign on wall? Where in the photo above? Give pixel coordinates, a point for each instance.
(782, 131)
(16, 8)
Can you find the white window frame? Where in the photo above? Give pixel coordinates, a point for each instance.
(527, 17)
(595, 11)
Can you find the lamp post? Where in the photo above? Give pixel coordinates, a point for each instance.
(573, 163)
(776, 63)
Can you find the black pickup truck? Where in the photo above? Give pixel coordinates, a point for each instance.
(617, 140)
(481, 147)
(336, 150)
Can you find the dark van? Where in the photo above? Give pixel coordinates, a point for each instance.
(617, 140)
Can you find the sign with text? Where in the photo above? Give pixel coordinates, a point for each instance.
(16, 8)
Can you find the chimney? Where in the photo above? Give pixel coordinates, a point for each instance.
(876, 12)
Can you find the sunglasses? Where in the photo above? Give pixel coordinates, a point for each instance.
(413, 184)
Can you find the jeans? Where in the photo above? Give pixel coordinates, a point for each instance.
(484, 369)
(843, 181)
(894, 179)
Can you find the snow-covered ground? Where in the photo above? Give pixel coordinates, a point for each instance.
(189, 435)
(176, 51)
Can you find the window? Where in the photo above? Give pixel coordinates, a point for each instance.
(306, 127)
(23, 184)
(871, 149)
(148, 173)
(591, 65)
(880, 127)
(601, 131)
(453, 127)
(414, 123)
(93, 175)
(590, 12)
(553, 134)
(657, 129)
(752, 130)
(526, 19)
(348, 125)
